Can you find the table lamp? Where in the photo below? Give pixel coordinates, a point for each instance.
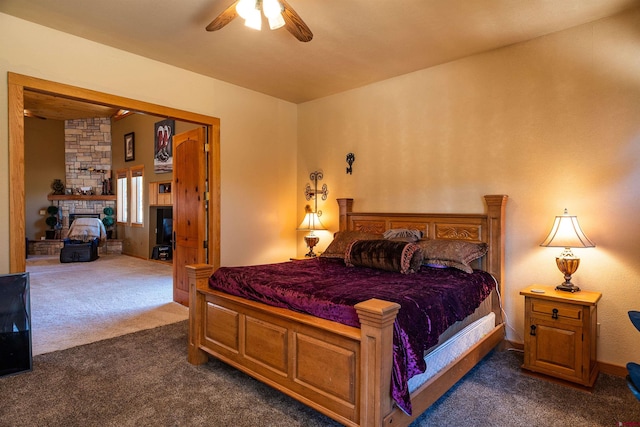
(311, 223)
(566, 233)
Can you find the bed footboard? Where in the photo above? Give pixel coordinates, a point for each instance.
(341, 371)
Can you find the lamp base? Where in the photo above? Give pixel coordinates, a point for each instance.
(311, 241)
(567, 287)
(568, 266)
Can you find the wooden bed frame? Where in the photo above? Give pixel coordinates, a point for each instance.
(341, 371)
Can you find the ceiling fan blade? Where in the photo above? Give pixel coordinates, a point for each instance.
(224, 18)
(294, 24)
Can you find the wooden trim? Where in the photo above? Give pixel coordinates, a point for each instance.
(82, 197)
(213, 137)
(17, 213)
(615, 370)
(18, 83)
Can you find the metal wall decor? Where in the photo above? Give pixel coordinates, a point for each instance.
(310, 192)
(163, 151)
(350, 159)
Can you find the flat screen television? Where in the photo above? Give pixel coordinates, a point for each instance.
(164, 226)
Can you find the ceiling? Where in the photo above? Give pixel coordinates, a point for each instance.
(45, 106)
(355, 43)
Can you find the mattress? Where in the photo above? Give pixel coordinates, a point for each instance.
(485, 308)
(453, 348)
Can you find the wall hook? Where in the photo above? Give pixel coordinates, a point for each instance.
(350, 159)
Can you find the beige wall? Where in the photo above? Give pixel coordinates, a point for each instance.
(553, 123)
(44, 162)
(258, 133)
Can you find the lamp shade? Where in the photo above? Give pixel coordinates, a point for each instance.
(566, 233)
(311, 222)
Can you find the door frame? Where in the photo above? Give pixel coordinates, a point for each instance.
(18, 83)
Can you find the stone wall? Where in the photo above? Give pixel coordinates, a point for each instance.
(87, 153)
(87, 164)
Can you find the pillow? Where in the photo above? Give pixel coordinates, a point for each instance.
(403, 235)
(386, 255)
(338, 247)
(451, 253)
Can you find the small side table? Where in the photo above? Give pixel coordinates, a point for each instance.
(560, 333)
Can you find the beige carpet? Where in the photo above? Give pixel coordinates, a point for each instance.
(79, 303)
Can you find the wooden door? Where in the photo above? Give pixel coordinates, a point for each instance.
(189, 208)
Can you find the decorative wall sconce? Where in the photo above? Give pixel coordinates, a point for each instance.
(313, 192)
(350, 159)
(311, 221)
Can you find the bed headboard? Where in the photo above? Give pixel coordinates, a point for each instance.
(488, 227)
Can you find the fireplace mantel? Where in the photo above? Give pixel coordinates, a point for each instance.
(81, 197)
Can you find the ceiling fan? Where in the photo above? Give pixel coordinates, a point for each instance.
(277, 12)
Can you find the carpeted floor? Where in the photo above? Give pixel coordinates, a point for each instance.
(143, 379)
(82, 302)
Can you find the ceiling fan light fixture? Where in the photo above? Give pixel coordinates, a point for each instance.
(278, 13)
(246, 7)
(254, 20)
(277, 22)
(272, 9)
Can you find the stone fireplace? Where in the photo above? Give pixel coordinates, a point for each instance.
(87, 154)
(87, 166)
(87, 169)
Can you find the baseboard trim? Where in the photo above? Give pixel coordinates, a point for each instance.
(615, 370)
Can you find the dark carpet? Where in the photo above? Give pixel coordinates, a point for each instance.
(143, 379)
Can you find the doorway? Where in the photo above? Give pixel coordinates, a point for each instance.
(18, 84)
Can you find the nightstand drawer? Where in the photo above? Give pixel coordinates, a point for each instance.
(556, 310)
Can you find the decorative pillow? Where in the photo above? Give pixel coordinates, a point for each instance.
(451, 253)
(387, 255)
(338, 247)
(403, 235)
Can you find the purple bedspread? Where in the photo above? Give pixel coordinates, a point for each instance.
(431, 301)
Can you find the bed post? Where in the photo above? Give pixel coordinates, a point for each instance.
(376, 352)
(198, 276)
(345, 206)
(495, 222)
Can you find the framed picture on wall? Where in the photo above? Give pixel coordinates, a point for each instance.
(129, 147)
(163, 153)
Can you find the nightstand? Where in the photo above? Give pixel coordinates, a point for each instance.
(560, 333)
